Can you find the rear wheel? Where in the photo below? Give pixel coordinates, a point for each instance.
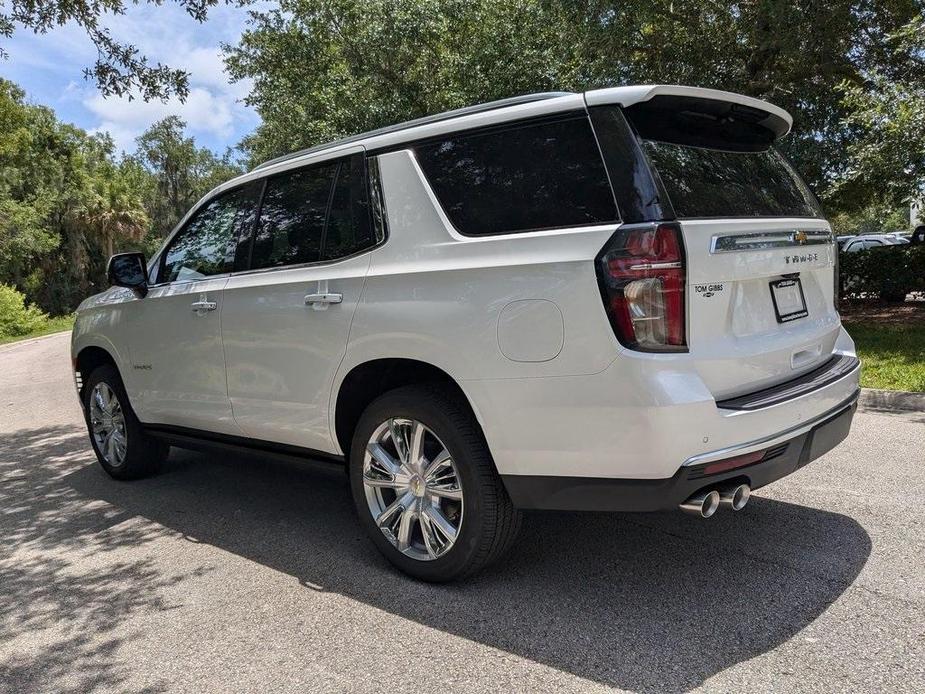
(117, 437)
(426, 488)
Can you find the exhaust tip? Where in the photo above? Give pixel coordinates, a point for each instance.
(735, 497)
(703, 504)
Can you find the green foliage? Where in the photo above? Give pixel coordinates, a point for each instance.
(873, 219)
(886, 160)
(63, 204)
(16, 317)
(119, 68)
(326, 68)
(885, 157)
(66, 202)
(888, 272)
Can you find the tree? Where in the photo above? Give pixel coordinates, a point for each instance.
(325, 68)
(179, 172)
(119, 68)
(874, 219)
(115, 212)
(885, 157)
(63, 204)
(23, 235)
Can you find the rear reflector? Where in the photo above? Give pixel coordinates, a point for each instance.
(642, 275)
(733, 463)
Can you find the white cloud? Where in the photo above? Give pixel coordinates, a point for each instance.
(122, 137)
(205, 65)
(206, 112)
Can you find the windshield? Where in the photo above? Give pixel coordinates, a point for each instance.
(716, 183)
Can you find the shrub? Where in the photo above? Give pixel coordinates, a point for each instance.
(17, 317)
(888, 272)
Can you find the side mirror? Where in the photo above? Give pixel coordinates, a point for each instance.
(129, 270)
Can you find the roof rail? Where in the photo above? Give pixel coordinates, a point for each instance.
(436, 118)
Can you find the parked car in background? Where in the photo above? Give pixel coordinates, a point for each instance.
(621, 300)
(866, 241)
(898, 236)
(889, 273)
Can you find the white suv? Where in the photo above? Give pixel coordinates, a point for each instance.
(620, 300)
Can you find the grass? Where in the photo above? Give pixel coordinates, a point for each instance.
(893, 355)
(52, 325)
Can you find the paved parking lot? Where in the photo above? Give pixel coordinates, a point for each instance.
(226, 574)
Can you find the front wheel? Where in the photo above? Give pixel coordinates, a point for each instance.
(117, 437)
(426, 488)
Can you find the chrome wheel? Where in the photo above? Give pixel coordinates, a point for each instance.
(107, 424)
(412, 488)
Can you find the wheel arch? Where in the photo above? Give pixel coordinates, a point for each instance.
(89, 358)
(368, 380)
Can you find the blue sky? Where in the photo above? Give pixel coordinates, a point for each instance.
(49, 67)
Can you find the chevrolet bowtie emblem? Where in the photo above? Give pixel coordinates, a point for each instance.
(800, 237)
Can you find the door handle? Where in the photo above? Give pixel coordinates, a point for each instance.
(323, 298)
(203, 305)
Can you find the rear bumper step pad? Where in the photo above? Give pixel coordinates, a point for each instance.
(834, 369)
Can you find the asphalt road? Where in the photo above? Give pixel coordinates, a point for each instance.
(236, 575)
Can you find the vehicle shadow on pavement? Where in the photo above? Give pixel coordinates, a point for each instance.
(656, 602)
(54, 570)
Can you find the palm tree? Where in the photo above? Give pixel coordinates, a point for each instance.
(115, 213)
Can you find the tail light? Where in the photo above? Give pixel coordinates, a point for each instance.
(641, 274)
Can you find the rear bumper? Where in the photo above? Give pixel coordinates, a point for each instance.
(642, 418)
(785, 454)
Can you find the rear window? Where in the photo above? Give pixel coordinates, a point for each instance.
(520, 178)
(705, 182)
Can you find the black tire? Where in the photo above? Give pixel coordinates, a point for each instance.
(143, 454)
(489, 523)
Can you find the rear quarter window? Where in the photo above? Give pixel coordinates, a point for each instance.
(518, 178)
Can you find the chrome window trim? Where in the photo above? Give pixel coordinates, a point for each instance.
(760, 241)
(298, 266)
(191, 280)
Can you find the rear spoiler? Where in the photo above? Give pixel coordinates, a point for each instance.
(698, 117)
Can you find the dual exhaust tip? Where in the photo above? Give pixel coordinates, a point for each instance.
(706, 502)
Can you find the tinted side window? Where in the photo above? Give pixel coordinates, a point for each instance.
(207, 244)
(639, 194)
(349, 228)
(292, 216)
(528, 176)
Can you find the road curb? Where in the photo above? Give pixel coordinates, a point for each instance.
(30, 340)
(891, 400)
